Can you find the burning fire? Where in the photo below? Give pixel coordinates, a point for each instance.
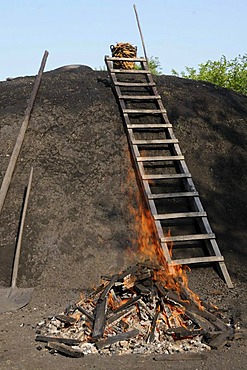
(172, 277)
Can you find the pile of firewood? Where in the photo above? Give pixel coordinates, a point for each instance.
(136, 311)
(123, 50)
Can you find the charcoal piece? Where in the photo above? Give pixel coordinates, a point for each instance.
(124, 325)
(148, 283)
(64, 349)
(85, 312)
(153, 325)
(108, 287)
(66, 319)
(142, 289)
(117, 338)
(161, 289)
(143, 304)
(143, 275)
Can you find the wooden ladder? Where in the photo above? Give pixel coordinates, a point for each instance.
(162, 171)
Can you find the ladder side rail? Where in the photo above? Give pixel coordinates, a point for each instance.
(143, 183)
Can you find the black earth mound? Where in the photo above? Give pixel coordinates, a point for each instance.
(78, 225)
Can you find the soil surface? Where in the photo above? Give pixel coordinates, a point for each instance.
(78, 226)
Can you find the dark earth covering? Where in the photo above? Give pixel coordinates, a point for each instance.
(78, 225)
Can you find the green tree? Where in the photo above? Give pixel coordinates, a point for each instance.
(231, 74)
(153, 65)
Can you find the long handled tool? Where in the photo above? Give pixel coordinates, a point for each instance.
(20, 138)
(13, 298)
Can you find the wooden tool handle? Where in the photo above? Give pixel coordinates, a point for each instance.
(19, 239)
(14, 156)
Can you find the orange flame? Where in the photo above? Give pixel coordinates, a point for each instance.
(171, 276)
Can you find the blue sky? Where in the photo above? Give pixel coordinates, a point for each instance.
(179, 32)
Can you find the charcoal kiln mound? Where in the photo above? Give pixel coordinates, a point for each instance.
(79, 226)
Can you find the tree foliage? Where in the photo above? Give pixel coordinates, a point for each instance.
(153, 65)
(231, 74)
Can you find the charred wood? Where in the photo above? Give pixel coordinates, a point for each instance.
(85, 312)
(64, 349)
(113, 318)
(108, 287)
(68, 341)
(181, 332)
(66, 319)
(153, 325)
(220, 340)
(100, 319)
(129, 303)
(117, 338)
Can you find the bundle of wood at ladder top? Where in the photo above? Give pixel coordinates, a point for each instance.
(123, 50)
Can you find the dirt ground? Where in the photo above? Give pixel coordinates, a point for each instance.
(78, 226)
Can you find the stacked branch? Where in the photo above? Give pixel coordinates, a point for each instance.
(123, 50)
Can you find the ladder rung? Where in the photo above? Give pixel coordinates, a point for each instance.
(134, 71)
(140, 97)
(144, 111)
(184, 238)
(149, 125)
(161, 158)
(206, 259)
(166, 177)
(174, 195)
(168, 216)
(126, 59)
(133, 84)
(147, 142)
